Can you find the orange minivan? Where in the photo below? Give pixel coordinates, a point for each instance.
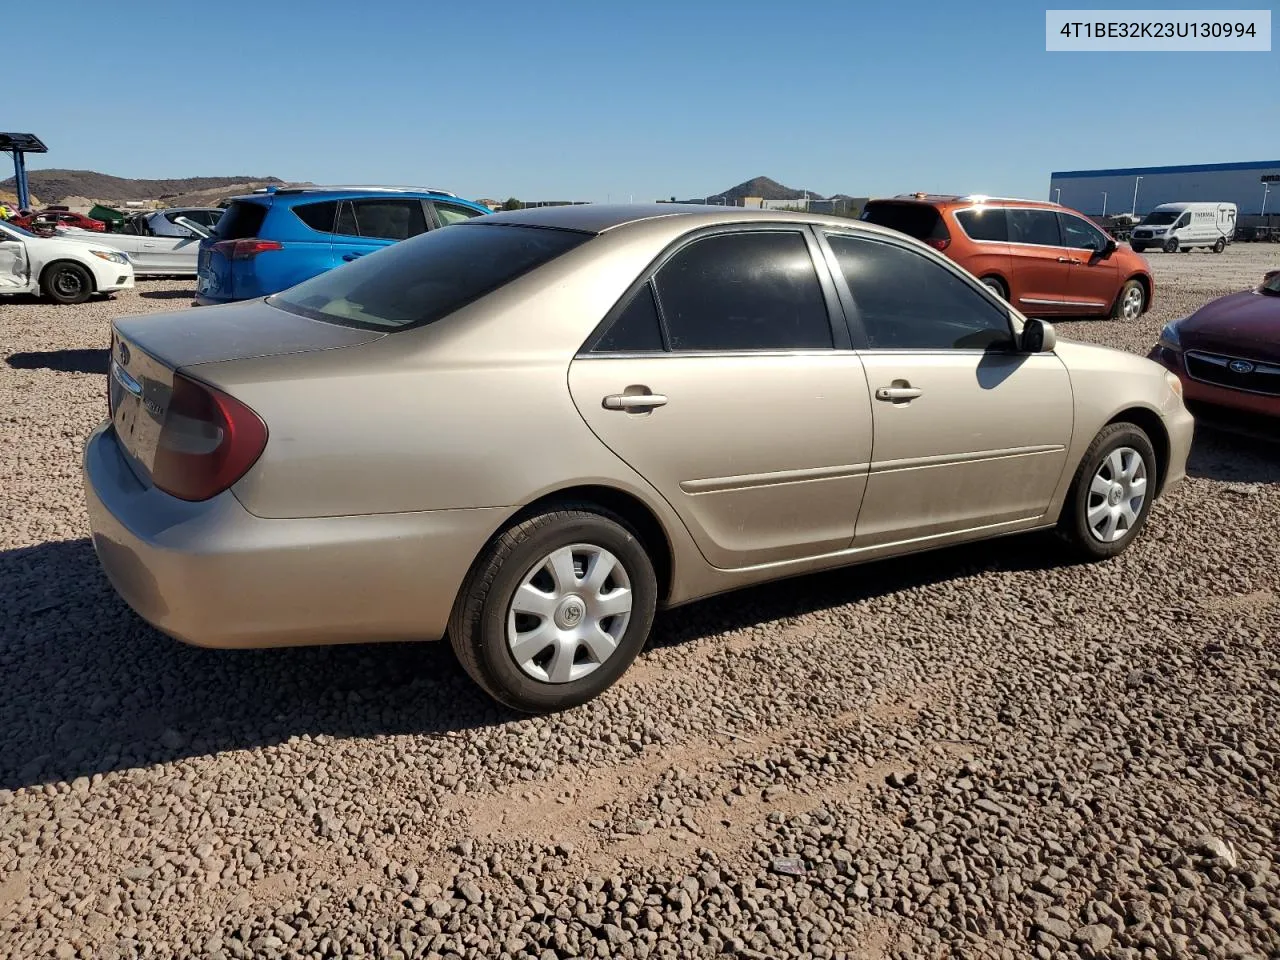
(1041, 257)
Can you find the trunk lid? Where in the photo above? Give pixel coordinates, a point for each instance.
(147, 351)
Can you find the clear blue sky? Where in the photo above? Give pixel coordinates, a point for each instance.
(585, 100)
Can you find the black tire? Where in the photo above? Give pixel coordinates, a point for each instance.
(1117, 308)
(996, 286)
(66, 282)
(1171, 245)
(1219, 245)
(1138, 247)
(1073, 524)
(478, 625)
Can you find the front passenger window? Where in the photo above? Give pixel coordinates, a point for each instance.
(908, 302)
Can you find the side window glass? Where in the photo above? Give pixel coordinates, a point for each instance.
(744, 291)
(984, 223)
(1080, 235)
(1039, 227)
(318, 216)
(346, 222)
(908, 302)
(1182, 221)
(448, 213)
(636, 330)
(389, 219)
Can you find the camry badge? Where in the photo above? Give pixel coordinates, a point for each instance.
(1240, 366)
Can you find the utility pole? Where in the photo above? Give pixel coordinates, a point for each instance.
(1134, 211)
(1104, 203)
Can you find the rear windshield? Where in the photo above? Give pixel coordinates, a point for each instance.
(242, 221)
(423, 279)
(1161, 218)
(919, 220)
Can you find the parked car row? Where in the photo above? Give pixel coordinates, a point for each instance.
(533, 429)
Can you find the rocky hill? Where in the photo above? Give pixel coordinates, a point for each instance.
(52, 185)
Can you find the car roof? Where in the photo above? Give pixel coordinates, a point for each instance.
(967, 200)
(289, 195)
(602, 217)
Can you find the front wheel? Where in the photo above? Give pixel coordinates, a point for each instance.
(555, 609)
(1130, 302)
(67, 283)
(1138, 247)
(1171, 245)
(1219, 245)
(1111, 493)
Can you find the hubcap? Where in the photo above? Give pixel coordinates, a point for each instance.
(569, 613)
(1133, 304)
(67, 282)
(1116, 495)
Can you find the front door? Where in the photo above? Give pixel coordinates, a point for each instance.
(1094, 279)
(969, 433)
(13, 263)
(719, 382)
(1041, 265)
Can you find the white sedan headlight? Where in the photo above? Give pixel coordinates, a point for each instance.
(115, 256)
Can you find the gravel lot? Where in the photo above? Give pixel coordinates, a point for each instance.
(976, 753)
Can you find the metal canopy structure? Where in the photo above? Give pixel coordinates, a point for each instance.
(20, 144)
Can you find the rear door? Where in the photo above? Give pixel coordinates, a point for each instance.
(371, 223)
(722, 380)
(1094, 280)
(1041, 280)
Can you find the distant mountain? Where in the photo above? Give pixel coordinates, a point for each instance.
(767, 189)
(52, 185)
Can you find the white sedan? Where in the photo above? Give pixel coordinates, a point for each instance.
(65, 269)
(163, 243)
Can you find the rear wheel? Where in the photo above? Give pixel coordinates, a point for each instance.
(1219, 245)
(1130, 302)
(67, 283)
(996, 285)
(555, 609)
(1111, 493)
(1171, 245)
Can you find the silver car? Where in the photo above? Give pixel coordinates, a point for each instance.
(531, 430)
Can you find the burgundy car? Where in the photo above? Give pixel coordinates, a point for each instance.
(59, 218)
(1227, 353)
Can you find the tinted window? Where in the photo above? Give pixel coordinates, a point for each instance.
(908, 302)
(346, 224)
(1182, 221)
(389, 219)
(318, 216)
(984, 223)
(744, 291)
(1080, 235)
(448, 213)
(426, 278)
(1161, 218)
(1039, 227)
(919, 220)
(636, 330)
(242, 220)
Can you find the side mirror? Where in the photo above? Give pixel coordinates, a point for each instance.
(1038, 337)
(1108, 248)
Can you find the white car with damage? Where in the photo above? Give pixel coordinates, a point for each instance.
(63, 269)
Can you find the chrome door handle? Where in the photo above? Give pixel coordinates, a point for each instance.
(895, 394)
(634, 401)
(1065, 260)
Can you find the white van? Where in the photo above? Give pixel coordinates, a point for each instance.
(1183, 226)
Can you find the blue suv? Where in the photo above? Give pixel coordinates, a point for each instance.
(270, 240)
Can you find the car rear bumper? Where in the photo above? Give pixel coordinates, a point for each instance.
(1213, 395)
(214, 575)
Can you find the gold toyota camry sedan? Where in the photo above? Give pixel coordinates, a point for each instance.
(530, 430)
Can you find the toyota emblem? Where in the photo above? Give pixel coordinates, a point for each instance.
(1240, 366)
(123, 354)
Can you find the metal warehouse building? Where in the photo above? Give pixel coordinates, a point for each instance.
(1102, 192)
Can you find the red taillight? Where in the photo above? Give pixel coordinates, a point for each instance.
(245, 249)
(207, 442)
(939, 243)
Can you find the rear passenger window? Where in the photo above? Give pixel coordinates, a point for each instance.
(744, 291)
(318, 216)
(1037, 227)
(636, 330)
(907, 302)
(448, 213)
(984, 223)
(389, 219)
